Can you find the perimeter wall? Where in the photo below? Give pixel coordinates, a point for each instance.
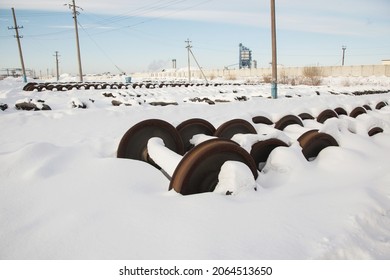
(291, 72)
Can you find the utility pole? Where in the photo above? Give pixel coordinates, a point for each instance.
(75, 13)
(274, 86)
(58, 75)
(344, 48)
(189, 67)
(188, 55)
(17, 36)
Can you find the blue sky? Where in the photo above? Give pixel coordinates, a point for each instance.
(142, 35)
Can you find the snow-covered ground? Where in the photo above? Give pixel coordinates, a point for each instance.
(65, 195)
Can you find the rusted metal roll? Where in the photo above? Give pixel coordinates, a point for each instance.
(198, 171)
(380, 105)
(325, 115)
(30, 86)
(228, 129)
(288, 120)
(367, 107)
(341, 111)
(313, 142)
(191, 127)
(262, 119)
(357, 111)
(133, 144)
(375, 130)
(306, 116)
(261, 150)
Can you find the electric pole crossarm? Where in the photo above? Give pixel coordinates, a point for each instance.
(16, 30)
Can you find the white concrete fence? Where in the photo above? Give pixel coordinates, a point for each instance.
(291, 72)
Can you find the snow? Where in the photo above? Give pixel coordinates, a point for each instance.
(234, 178)
(162, 156)
(65, 195)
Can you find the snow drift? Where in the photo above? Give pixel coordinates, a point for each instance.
(65, 195)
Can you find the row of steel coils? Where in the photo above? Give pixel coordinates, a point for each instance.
(32, 86)
(197, 167)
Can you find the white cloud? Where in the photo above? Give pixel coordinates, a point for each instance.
(330, 25)
(348, 17)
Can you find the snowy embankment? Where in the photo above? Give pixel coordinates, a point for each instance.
(65, 195)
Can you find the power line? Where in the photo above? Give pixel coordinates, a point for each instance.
(38, 14)
(140, 11)
(47, 34)
(101, 49)
(152, 18)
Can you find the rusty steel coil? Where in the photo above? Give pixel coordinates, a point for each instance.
(367, 107)
(198, 171)
(191, 127)
(288, 120)
(380, 105)
(262, 119)
(341, 111)
(228, 129)
(133, 144)
(325, 115)
(313, 142)
(30, 86)
(357, 111)
(261, 150)
(306, 116)
(375, 130)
